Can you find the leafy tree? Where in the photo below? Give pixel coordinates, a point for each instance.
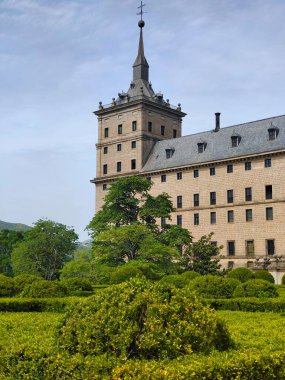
(8, 239)
(80, 266)
(45, 249)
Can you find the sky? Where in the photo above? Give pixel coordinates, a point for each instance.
(59, 58)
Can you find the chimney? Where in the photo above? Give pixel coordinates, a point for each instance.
(217, 127)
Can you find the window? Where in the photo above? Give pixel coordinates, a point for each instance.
(134, 126)
(105, 149)
(163, 178)
(179, 220)
(212, 198)
(235, 141)
(267, 163)
(213, 218)
(179, 201)
(196, 173)
(249, 246)
(196, 200)
(105, 169)
(230, 168)
(179, 175)
(148, 178)
(230, 264)
(270, 247)
(231, 248)
(247, 165)
(104, 186)
(169, 152)
(174, 133)
(133, 164)
(248, 215)
(134, 144)
(163, 222)
(230, 216)
(268, 192)
(149, 126)
(201, 147)
(119, 166)
(269, 213)
(162, 130)
(272, 133)
(230, 196)
(120, 129)
(212, 171)
(119, 147)
(196, 219)
(248, 194)
(106, 132)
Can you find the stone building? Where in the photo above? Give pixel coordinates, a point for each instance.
(229, 181)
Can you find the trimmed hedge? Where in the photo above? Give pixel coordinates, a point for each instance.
(241, 274)
(77, 286)
(22, 280)
(6, 286)
(283, 280)
(39, 305)
(275, 305)
(256, 288)
(44, 289)
(263, 274)
(209, 286)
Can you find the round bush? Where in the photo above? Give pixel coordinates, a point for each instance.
(141, 319)
(75, 285)
(124, 273)
(264, 275)
(241, 274)
(44, 289)
(6, 286)
(214, 286)
(24, 279)
(256, 288)
(175, 280)
(190, 275)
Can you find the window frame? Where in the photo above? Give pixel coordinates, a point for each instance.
(213, 198)
(134, 126)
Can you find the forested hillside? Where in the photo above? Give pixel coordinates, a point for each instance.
(13, 226)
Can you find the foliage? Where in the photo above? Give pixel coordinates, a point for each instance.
(241, 274)
(275, 305)
(80, 266)
(77, 286)
(6, 286)
(45, 249)
(175, 236)
(209, 286)
(190, 275)
(22, 280)
(142, 319)
(44, 289)
(36, 305)
(150, 270)
(255, 288)
(283, 280)
(124, 273)
(263, 274)
(8, 239)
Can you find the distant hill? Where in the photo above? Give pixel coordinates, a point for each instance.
(13, 226)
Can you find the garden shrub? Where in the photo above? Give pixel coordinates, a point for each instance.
(283, 280)
(6, 286)
(209, 286)
(190, 275)
(176, 280)
(77, 286)
(241, 274)
(263, 274)
(256, 288)
(44, 289)
(150, 270)
(275, 305)
(22, 280)
(124, 273)
(38, 305)
(144, 320)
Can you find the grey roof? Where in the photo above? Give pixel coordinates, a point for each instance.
(253, 140)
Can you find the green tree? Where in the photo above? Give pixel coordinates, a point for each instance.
(45, 249)
(80, 266)
(8, 239)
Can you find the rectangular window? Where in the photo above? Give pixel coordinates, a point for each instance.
(105, 149)
(163, 222)
(231, 248)
(149, 126)
(248, 194)
(104, 186)
(213, 198)
(119, 147)
(179, 201)
(174, 133)
(196, 173)
(267, 163)
(162, 130)
(249, 246)
(230, 196)
(269, 213)
(163, 178)
(134, 126)
(133, 164)
(268, 192)
(119, 166)
(106, 132)
(105, 169)
(230, 216)
(272, 134)
(248, 215)
(213, 218)
(134, 144)
(120, 129)
(212, 171)
(270, 247)
(196, 219)
(230, 168)
(148, 178)
(179, 220)
(247, 165)
(196, 200)
(179, 175)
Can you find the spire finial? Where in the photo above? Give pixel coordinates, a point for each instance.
(140, 66)
(140, 13)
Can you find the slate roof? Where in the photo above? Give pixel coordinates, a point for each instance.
(253, 140)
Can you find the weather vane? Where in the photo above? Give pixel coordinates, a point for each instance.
(141, 12)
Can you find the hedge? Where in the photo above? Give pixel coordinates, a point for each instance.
(43, 304)
(276, 305)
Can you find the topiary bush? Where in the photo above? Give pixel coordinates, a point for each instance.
(263, 274)
(256, 288)
(44, 289)
(124, 273)
(190, 275)
(241, 274)
(213, 286)
(77, 286)
(6, 286)
(24, 279)
(283, 280)
(141, 319)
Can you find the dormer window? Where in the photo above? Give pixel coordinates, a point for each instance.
(272, 133)
(169, 152)
(201, 147)
(235, 140)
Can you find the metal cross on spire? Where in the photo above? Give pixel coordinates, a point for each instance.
(141, 12)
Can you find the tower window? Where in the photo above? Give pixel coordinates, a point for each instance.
(163, 178)
(196, 200)
(179, 220)
(267, 163)
(269, 213)
(174, 133)
(162, 130)
(248, 194)
(120, 129)
(230, 216)
(270, 247)
(149, 127)
(134, 126)
(213, 171)
(105, 169)
(230, 168)
(179, 201)
(119, 147)
(179, 175)
(106, 132)
(105, 149)
(247, 165)
(134, 144)
(133, 164)
(268, 192)
(119, 166)
(231, 248)
(196, 219)
(213, 198)
(196, 173)
(248, 215)
(230, 196)
(213, 217)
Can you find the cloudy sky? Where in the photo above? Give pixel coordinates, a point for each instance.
(59, 58)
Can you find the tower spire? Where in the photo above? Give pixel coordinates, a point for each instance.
(140, 66)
